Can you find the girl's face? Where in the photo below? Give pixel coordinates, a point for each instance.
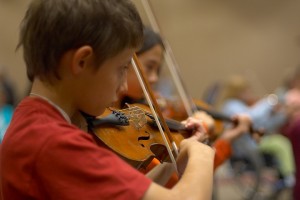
(151, 61)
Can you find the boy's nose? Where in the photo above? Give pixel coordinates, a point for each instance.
(123, 87)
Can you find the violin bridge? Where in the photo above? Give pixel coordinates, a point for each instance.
(136, 115)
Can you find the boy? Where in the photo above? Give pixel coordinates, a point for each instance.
(77, 53)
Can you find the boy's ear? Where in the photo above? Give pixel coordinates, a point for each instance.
(82, 58)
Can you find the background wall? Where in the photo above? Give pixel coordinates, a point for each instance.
(210, 40)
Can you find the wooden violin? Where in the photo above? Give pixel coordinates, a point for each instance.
(132, 133)
(175, 110)
(136, 134)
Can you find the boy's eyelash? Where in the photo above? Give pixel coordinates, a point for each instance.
(125, 67)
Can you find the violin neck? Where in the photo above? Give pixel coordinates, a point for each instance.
(173, 125)
(215, 115)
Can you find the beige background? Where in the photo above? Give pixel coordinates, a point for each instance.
(210, 39)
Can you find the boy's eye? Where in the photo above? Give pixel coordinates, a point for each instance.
(123, 70)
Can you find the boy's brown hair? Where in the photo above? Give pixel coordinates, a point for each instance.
(52, 27)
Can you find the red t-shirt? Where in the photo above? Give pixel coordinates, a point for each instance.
(45, 157)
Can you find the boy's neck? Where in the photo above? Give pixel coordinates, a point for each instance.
(52, 94)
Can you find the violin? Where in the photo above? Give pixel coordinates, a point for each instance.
(176, 111)
(222, 117)
(136, 134)
(133, 134)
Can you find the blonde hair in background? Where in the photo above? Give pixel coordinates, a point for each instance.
(232, 87)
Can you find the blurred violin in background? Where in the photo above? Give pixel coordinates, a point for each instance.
(175, 110)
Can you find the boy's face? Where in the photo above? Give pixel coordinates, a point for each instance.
(151, 61)
(102, 86)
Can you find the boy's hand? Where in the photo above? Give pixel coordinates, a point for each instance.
(199, 131)
(191, 148)
(207, 120)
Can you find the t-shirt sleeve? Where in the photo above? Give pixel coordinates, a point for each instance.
(76, 168)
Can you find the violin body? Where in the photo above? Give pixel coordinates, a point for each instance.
(136, 140)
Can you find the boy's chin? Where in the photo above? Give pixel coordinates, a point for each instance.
(137, 96)
(98, 112)
(102, 111)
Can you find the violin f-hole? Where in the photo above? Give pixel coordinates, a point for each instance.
(145, 137)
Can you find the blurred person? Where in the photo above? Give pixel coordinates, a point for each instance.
(267, 115)
(6, 112)
(292, 127)
(290, 81)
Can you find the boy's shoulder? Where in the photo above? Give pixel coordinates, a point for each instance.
(37, 123)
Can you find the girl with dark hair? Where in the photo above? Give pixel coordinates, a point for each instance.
(151, 57)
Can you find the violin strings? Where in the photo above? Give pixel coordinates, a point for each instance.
(156, 117)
